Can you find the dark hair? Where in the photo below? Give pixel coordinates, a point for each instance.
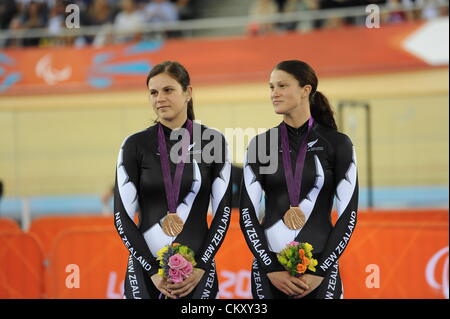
(320, 108)
(180, 74)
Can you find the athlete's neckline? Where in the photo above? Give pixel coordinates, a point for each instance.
(169, 130)
(297, 131)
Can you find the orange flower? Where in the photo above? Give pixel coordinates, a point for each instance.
(175, 244)
(306, 261)
(301, 268)
(301, 252)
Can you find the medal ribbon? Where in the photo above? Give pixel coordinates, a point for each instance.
(173, 189)
(293, 183)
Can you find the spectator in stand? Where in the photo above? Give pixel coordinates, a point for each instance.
(431, 9)
(100, 12)
(107, 201)
(259, 9)
(56, 23)
(162, 11)
(338, 22)
(8, 10)
(31, 15)
(83, 6)
(185, 9)
(185, 12)
(286, 6)
(129, 19)
(289, 7)
(399, 14)
(306, 5)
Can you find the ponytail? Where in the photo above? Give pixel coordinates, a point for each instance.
(190, 110)
(321, 110)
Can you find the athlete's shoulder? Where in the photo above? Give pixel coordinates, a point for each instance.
(208, 135)
(212, 141)
(206, 130)
(266, 138)
(139, 137)
(333, 136)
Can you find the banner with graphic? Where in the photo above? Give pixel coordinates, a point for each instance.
(392, 254)
(352, 50)
(21, 265)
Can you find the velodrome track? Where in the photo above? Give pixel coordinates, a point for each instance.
(67, 144)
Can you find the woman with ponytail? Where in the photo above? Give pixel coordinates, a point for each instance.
(316, 164)
(172, 190)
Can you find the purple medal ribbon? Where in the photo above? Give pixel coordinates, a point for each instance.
(173, 189)
(294, 182)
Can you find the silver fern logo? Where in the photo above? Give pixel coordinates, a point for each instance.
(311, 144)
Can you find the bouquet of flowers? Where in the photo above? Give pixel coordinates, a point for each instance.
(296, 258)
(177, 262)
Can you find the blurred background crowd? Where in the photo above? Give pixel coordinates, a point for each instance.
(116, 20)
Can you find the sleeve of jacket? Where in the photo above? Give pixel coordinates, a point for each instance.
(346, 193)
(221, 191)
(251, 194)
(126, 192)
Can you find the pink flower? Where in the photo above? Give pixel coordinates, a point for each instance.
(175, 276)
(177, 262)
(293, 243)
(187, 270)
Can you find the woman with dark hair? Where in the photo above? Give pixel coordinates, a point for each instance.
(314, 163)
(172, 190)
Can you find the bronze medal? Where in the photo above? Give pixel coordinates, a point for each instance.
(294, 218)
(172, 224)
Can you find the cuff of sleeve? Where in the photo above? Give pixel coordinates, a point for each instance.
(274, 265)
(202, 265)
(273, 268)
(320, 272)
(316, 273)
(153, 271)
